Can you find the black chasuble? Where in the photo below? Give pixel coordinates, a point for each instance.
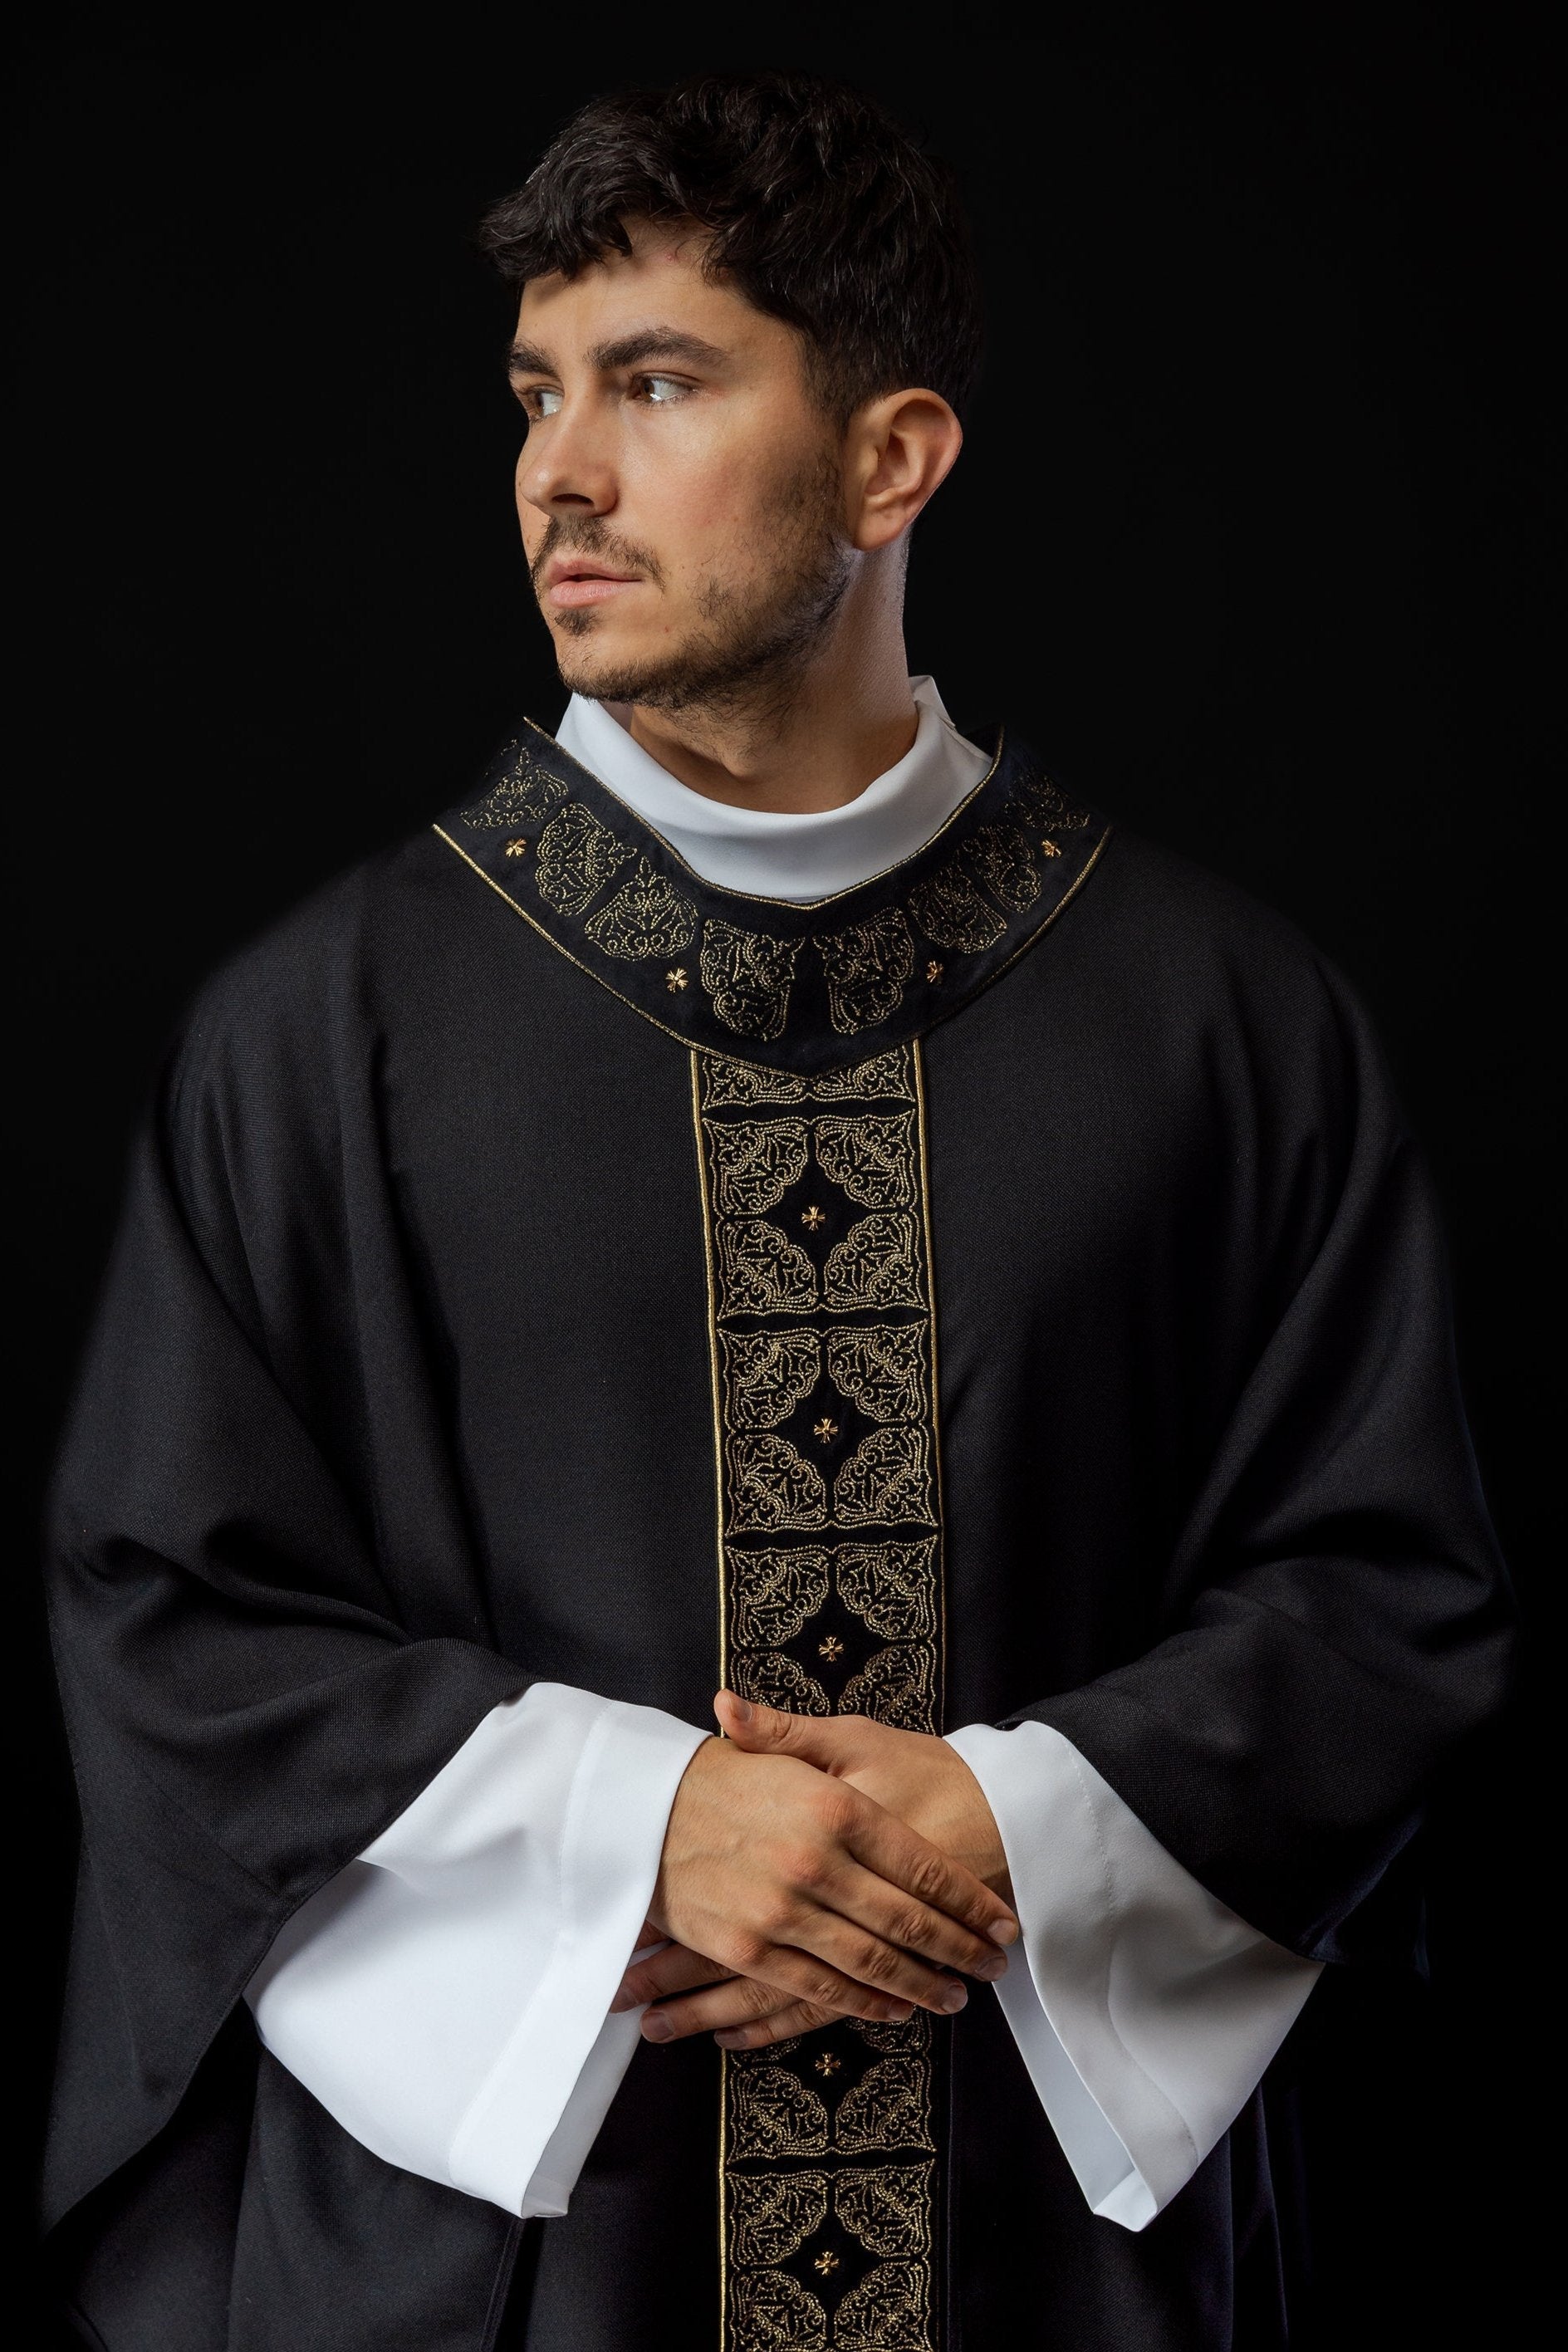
(1003, 1290)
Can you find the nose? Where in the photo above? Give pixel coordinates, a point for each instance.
(566, 465)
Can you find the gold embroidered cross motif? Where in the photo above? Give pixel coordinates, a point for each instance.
(829, 2178)
(677, 980)
(517, 846)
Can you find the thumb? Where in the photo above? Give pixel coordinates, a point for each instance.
(769, 1730)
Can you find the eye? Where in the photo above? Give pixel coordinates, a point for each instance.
(540, 400)
(659, 391)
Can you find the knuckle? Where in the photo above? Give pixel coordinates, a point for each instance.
(806, 1866)
(746, 1950)
(911, 1928)
(879, 1964)
(838, 1809)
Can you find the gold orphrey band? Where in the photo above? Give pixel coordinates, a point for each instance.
(824, 1364)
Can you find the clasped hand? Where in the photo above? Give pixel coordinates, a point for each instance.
(817, 1868)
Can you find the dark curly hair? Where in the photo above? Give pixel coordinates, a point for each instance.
(821, 211)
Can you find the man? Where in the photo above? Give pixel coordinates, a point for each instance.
(769, 1211)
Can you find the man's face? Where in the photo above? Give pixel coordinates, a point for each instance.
(678, 488)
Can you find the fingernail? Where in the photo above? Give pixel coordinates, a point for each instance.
(989, 1970)
(955, 1999)
(1006, 1931)
(622, 2002)
(656, 2028)
(733, 2040)
(740, 1707)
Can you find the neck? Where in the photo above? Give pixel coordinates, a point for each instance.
(841, 721)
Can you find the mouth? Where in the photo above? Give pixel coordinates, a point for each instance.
(573, 581)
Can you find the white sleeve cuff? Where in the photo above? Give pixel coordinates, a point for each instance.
(446, 1997)
(1148, 2011)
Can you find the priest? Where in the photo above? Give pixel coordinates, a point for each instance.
(769, 1535)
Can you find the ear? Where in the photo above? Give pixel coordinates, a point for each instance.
(901, 449)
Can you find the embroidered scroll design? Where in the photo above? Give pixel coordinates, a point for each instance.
(523, 793)
(577, 856)
(748, 976)
(951, 910)
(876, 1264)
(872, 1159)
(756, 1162)
(767, 1374)
(647, 916)
(867, 967)
(824, 1371)
(998, 855)
(740, 1085)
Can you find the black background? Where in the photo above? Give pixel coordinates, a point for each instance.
(1249, 539)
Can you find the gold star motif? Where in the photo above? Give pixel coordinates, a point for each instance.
(826, 1430)
(676, 980)
(517, 847)
(1050, 848)
(933, 971)
(832, 1649)
(813, 1217)
(827, 2263)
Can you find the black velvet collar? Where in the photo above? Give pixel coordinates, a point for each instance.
(801, 988)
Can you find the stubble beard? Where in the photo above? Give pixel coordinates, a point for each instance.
(756, 637)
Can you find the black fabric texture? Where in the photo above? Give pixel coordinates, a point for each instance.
(399, 1400)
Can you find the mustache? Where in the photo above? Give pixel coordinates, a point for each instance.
(591, 535)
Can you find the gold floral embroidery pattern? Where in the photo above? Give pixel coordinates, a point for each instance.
(824, 1366)
(577, 856)
(876, 1264)
(999, 856)
(766, 1374)
(949, 910)
(772, 1594)
(772, 1485)
(773, 2217)
(523, 793)
(867, 967)
(872, 1159)
(890, 1587)
(761, 1271)
(756, 1162)
(886, 1482)
(647, 916)
(748, 976)
(881, 1366)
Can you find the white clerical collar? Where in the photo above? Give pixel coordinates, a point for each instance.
(769, 854)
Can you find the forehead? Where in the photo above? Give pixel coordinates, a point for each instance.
(660, 280)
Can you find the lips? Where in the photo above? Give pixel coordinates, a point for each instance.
(577, 583)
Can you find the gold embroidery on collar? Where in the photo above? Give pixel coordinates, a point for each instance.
(866, 966)
(647, 916)
(521, 794)
(748, 976)
(577, 856)
(824, 1372)
(999, 854)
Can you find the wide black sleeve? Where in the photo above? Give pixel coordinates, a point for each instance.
(269, 1627)
(1337, 1616)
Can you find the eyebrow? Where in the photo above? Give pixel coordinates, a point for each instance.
(624, 351)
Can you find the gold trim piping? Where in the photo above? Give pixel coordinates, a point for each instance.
(923, 1131)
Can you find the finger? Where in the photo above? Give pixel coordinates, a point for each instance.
(909, 1925)
(743, 2002)
(795, 1973)
(870, 1960)
(904, 1859)
(800, 2017)
(674, 1970)
(833, 1743)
